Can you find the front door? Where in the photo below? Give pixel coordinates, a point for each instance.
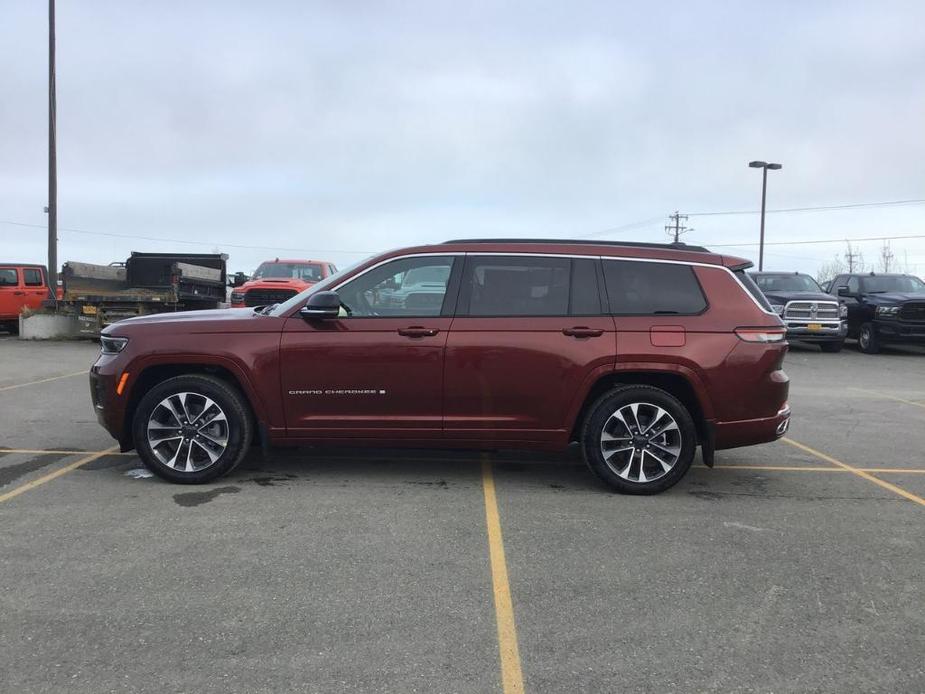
(528, 337)
(377, 370)
(11, 293)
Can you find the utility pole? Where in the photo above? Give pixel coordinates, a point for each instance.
(853, 259)
(886, 257)
(677, 229)
(764, 166)
(52, 159)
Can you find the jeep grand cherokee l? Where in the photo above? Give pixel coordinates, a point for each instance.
(810, 314)
(640, 352)
(883, 309)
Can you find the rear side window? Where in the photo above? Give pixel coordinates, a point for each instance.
(32, 277)
(752, 288)
(8, 277)
(517, 286)
(652, 289)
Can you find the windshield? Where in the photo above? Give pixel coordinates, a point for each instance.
(307, 272)
(289, 304)
(893, 283)
(786, 283)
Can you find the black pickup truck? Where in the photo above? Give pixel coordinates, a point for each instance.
(809, 313)
(883, 309)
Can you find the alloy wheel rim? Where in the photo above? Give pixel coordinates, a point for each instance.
(641, 442)
(188, 432)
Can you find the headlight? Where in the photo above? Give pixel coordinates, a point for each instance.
(842, 311)
(778, 309)
(237, 297)
(112, 345)
(887, 311)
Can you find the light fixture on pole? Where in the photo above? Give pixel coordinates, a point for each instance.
(764, 166)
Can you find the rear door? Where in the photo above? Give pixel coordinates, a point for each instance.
(528, 335)
(11, 292)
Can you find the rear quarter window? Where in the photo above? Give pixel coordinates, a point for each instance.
(752, 289)
(32, 277)
(652, 289)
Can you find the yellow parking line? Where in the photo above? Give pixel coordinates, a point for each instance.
(41, 450)
(860, 473)
(512, 679)
(45, 380)
(23, 488)
(804, 468)
(889, 397)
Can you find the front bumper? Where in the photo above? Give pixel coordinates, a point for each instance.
(748, 432)
(900, 331)
(108, 406)
(816, 331)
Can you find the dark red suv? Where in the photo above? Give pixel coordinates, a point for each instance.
(640, 352)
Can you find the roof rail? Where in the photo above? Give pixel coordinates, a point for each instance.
(579, 242)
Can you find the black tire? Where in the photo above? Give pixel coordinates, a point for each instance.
(238, 431)
(600, 415)
(868, 342)
(831, 347)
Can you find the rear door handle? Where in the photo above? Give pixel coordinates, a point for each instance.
(418, 331)
(582, 331)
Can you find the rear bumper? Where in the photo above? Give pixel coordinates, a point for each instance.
(748, 432)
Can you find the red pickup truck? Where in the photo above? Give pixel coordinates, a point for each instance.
(21, 286)
(277, 280)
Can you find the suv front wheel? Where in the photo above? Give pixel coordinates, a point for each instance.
(192, 429)
(639, 439)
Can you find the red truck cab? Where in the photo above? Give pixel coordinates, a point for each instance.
(277, 280)
(21, 286)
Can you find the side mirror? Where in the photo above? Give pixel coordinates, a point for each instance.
(237, 280)
(843, 291)
(320, 306)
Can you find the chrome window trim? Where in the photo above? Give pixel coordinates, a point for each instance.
(690, 263)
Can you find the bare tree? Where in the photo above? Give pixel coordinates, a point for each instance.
(887, 258)
(830, 270)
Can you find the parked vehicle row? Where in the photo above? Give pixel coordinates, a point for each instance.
(639, 352)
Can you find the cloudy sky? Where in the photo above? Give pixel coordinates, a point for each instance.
(334, 130)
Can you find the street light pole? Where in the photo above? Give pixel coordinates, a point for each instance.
(764, 166)
(52, 159)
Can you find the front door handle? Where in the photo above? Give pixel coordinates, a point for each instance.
(19, 293)
(582, 331)
(418, 331)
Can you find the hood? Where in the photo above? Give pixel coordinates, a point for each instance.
(894, 297)
(210, 321)
(275, 283)
(784, 297)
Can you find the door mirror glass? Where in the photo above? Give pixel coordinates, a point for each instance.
(843, 291)
(321, 305)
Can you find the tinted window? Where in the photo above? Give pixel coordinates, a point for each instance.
(517, 286)
(585, 296)
(752, 288)
(32, 277)
(8, 277)
(647, 289)
(406, 287)
(893, 283)
(854, 286)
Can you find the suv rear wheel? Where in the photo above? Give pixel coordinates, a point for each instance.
(192, 429)
(639, 439)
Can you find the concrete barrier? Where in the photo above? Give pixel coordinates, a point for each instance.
(46, 326)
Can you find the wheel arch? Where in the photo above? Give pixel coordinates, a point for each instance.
(152, 374)
(680, 383)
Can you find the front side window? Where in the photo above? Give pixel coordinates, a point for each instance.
(653, 289)
(854, 285)
(406, 287)
(32, 277)
(8, 277)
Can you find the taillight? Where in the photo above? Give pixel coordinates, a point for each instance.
(765, 335)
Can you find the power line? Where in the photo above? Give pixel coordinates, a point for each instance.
(800, 243)
(851, 206)
(677, 228)
(221, 244)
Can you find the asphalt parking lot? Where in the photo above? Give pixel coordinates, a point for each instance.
(795, 566)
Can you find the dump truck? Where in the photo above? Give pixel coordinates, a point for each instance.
(145, 283)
